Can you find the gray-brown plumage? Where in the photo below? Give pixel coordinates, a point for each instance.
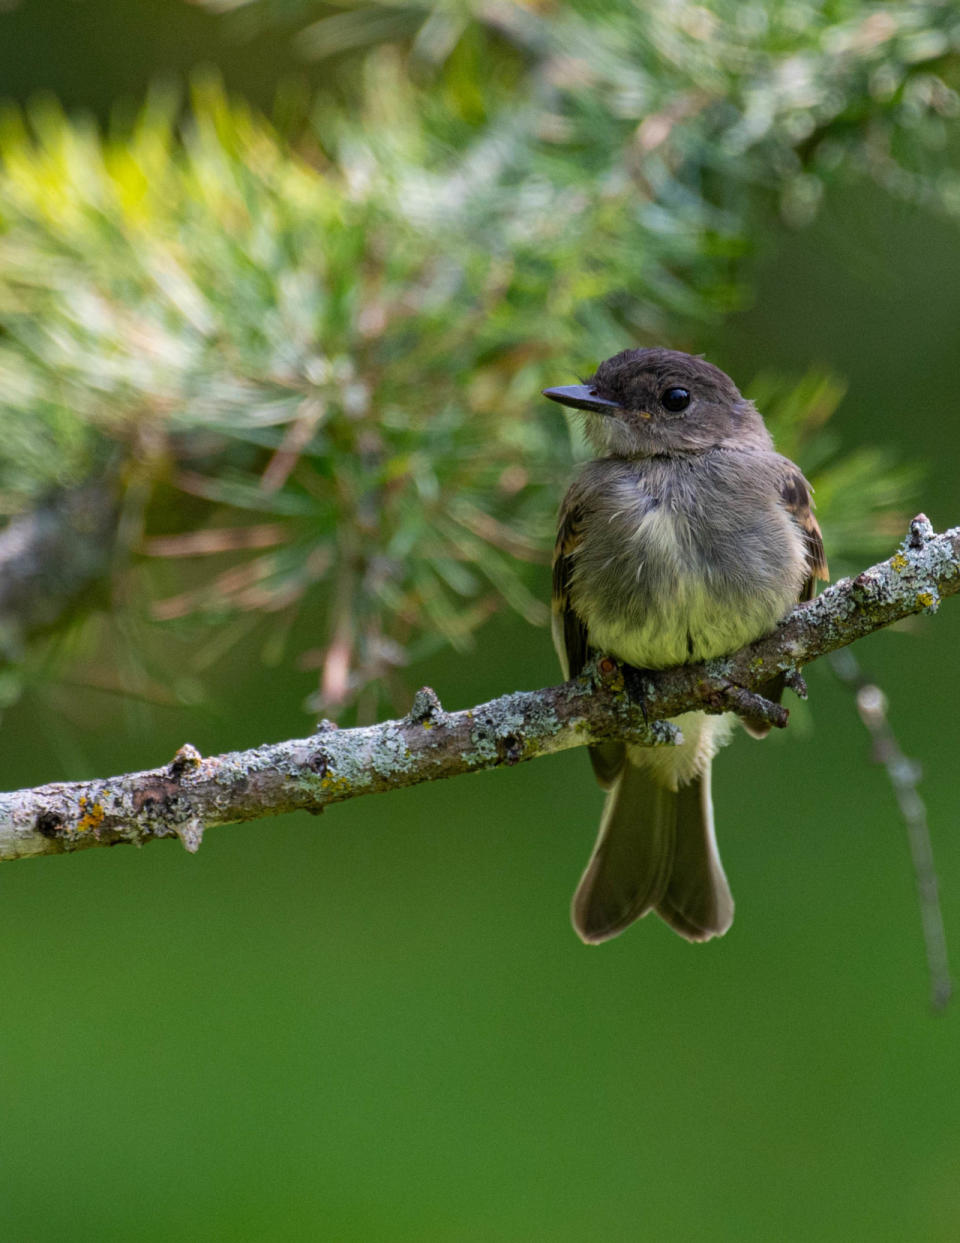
(687, 538)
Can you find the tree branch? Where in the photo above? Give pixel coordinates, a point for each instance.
(193, 793)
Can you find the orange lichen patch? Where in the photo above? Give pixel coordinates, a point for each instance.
(336, 785)
(610, 673)
(91, 818)
(926, 599)
(899, 562)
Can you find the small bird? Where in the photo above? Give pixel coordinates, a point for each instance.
(685, 539)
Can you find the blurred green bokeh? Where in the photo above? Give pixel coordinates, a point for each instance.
(378, 1025)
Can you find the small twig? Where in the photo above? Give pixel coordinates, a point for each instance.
(753, 707)
(904, 775)
(338, 659)
(212, 541)
(295, 440)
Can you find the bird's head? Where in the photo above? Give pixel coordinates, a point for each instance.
(651, 402)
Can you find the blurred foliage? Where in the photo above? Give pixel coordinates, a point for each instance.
(313, 357)
(781, 93)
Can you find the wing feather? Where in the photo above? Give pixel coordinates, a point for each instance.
(795, 492)
(569, 630)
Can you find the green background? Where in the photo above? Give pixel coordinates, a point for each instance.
(378, 1025)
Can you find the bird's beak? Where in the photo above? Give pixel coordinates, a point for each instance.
(581, 397)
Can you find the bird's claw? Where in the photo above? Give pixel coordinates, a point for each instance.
(635, 684)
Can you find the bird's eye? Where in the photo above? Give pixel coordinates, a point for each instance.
(675, 399)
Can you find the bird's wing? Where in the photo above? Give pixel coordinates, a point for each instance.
(795, 495)
(569, 631)
(795, 492)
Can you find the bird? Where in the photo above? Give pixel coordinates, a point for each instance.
(687, 537)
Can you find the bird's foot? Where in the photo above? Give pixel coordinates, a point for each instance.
(636, 685)
(619, 676)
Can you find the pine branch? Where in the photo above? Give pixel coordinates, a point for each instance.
(192, 793)
(51, 556)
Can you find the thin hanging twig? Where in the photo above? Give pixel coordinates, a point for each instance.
(904, 775)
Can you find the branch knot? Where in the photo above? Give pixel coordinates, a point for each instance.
(426, 708)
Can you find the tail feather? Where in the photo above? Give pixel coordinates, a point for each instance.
(656, 850)
(630, 867)
(607, 759)
(697, 903)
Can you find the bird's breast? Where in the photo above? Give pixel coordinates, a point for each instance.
(668, 572)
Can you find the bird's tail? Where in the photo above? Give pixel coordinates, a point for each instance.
(656, 850)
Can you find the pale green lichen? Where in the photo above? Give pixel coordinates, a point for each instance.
(488, 734)
(426, 709)
(510, 729)
(665, 734)
(390, 754)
